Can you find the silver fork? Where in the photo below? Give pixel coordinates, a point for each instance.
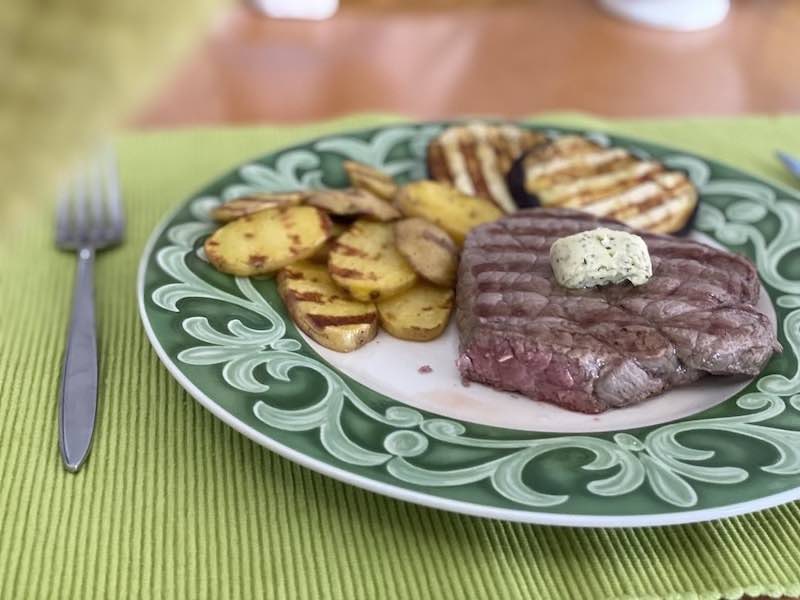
(89, 218)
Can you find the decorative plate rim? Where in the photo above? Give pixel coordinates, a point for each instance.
(403, 493)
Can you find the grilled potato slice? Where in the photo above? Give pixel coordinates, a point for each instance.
(247, 205)
(429, 250)
(364, 177)
(419, 314)
(265, 241)
(445, 206)
(476, 157)
(322, 310)
(351, 201)
(324, 251)
(365, 262)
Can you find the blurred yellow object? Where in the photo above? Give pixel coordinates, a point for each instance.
(71, 71)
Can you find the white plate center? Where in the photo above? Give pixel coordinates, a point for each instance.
(399, 370)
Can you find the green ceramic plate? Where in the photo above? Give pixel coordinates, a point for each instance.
(371, 418)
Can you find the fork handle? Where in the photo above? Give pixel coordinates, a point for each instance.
(77, 401)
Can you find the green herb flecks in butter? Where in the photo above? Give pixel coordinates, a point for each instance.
(600, 257)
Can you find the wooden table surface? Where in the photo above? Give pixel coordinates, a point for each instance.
(507, 58)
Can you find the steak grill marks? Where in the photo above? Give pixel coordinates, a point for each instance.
(590, 350)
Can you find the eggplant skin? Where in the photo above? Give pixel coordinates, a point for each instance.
(475, 158)
(435, 162)
(516, 185)
(523, 198)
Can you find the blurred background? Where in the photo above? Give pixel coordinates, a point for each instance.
(76, 70)
(437, 58)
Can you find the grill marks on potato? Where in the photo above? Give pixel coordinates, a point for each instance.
(476, 158)
(366, 263)
(247, 205)
(345, 273)
(322, 309)
(428, 249)
(364, 177)
(442, 204)
(265, 241)
(323, 252)
(419, 314)
(330, 274)
(348, 250)
(573, 172)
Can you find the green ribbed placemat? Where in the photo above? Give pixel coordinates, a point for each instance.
(175, 504)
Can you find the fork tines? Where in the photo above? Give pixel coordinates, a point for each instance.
(89, 211)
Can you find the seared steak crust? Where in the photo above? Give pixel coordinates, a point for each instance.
(593, 349)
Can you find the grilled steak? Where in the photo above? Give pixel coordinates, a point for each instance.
(476, 158)
(573, 172)
(594, 349)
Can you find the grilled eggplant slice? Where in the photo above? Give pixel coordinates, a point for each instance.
(442, 204)
(364, 177)
(322, 309)
(366, 263)
(573, 172)
(351, 201)
(247, 205)
(476, 158)
(419, 314)
(265, 241)
(429, 250)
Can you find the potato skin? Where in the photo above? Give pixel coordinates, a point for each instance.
(322, 310)
(367, 178)
(365, 262)
(265, 241)
(247, 205)
(429, 250)
(350, 202)
(442, 204)
(419, 314)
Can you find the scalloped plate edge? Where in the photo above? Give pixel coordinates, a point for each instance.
(421, 498)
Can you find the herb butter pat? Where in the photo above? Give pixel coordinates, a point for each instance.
(600, 257)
